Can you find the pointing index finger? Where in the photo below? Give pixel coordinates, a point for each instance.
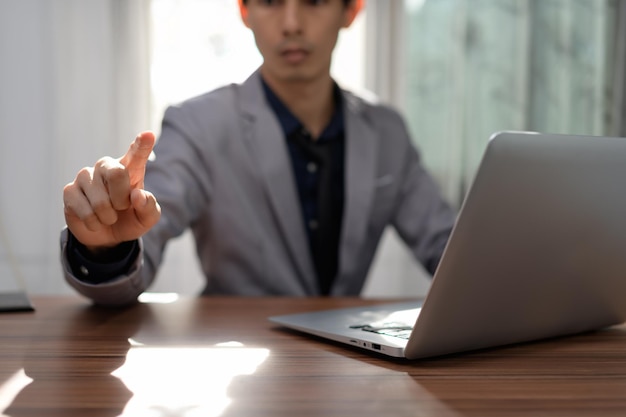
(137, 156)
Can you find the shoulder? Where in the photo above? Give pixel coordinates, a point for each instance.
(224, 105)
(199, 116)
(367, 105)
(217, 100)
(380, 117)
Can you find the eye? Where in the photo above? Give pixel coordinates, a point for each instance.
(267, 2)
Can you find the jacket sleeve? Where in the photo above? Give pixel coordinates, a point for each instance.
(422, 217)
(116, 292)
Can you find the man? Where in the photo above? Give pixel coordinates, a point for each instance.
(286, 181)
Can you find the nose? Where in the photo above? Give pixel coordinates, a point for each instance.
(292, 18)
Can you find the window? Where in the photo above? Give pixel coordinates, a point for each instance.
(476, 67)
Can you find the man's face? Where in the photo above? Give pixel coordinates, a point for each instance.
(297, 37)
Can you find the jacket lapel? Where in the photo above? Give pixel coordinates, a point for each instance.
(266, 140)
(360, 173)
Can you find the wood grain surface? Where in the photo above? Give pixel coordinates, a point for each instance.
(221, 357)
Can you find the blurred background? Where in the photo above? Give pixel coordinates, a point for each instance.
(79, 79)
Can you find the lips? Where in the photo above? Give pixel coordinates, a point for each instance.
(295, 55)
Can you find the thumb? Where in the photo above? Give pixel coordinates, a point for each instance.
(147, 209)
(137, 156)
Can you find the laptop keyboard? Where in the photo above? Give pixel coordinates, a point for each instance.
(397, 324)
(399, 330)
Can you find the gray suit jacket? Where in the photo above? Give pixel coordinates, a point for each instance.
(222, 169)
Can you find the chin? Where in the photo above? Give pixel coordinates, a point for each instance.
(296, 75)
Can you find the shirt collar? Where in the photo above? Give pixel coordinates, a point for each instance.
(290, 123)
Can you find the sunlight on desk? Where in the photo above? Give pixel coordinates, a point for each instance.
(12, 387)
(158, 297)
(184, 381)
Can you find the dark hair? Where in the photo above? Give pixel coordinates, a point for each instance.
(345, 2)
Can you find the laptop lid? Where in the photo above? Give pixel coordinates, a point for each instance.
(537, 250)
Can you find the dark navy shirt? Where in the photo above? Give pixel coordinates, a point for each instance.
(318, 167)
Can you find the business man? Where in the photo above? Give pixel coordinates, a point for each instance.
(286, 181)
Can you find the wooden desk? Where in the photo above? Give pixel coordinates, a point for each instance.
(221, 357)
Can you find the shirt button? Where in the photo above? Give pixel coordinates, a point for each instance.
(313, 224)
(311, 167)
(84, 270)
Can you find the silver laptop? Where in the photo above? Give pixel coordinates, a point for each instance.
(538, 251)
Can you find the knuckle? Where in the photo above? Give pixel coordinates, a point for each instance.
(85, 175)
(68, 190)
(116, 174)
(83, 212)
(100, 204)
(103, 162)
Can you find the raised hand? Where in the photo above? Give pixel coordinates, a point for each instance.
(106, 204)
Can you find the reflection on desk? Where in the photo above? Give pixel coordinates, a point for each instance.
(221, 357)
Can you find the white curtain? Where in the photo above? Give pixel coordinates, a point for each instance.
(73, 88)
(618, 110)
